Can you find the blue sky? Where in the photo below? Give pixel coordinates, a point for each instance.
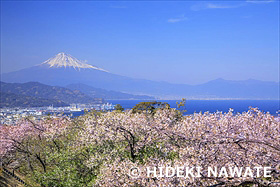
(188, 42)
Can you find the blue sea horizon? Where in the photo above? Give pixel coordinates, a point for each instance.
(192, 106)
(196, 106)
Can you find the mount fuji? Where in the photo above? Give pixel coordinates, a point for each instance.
(66, 60)
(64, 70)
(61, 70)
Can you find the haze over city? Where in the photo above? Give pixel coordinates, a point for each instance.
(178, 42)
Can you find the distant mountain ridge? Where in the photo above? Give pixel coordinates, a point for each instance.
(53, 74)
(244, 89)
(105, 94)
(36, 89)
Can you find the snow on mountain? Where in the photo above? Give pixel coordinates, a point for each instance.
(62, 70)
(66, 60)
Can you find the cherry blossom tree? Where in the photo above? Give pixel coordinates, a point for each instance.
(102, 149)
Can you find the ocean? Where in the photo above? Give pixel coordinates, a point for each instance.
(192, 106)
(271, 106)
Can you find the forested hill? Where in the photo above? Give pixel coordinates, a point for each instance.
(14, 100)
(36, 89)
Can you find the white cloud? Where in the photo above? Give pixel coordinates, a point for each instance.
(259, 1)
(178, 19)
(213, 6)
(203, 6)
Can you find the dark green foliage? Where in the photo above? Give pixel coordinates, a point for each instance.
(68, 168)
(119, 108)
(181, 103)
(36, 89)
(182, 108)
(154, 151)
(149, 107)
(15, 100)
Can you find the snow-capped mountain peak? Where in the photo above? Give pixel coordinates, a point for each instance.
(66, 60)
